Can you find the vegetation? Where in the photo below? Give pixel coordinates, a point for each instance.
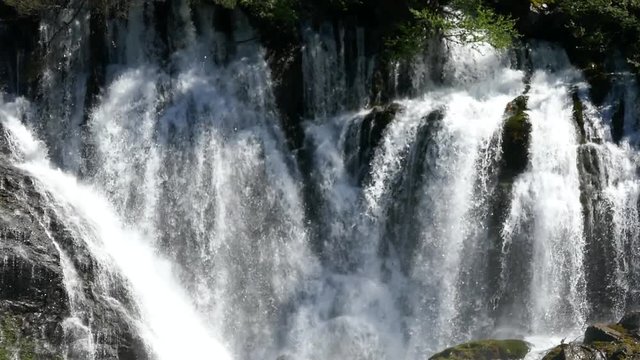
(591, 30)
(599, 27)
(12, 344)
(462, 21)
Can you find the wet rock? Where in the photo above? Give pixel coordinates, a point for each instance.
(33, 300)
(516, 137)
(367, 136)
(617, 122)
(35, 308)
(485, 350)
(601, 332)
(631, 321)
(573, 351)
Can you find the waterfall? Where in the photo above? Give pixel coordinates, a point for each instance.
(394, 232)
(546, 213)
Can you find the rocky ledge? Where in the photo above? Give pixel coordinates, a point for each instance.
(619, 341)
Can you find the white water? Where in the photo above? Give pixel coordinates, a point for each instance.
(230, 250)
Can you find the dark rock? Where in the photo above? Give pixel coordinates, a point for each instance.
(617, 123)
(485, 350)
(33, 299)
(34, 303)
(630, 321)
(601, 332)
(365, 137)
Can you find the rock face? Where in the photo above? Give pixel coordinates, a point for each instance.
(37, 320)
(604, 341)
(485, 350)
(33, 300)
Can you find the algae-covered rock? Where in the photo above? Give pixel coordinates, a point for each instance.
(485, 350)
(516, 136)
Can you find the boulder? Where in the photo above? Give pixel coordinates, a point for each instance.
(485, 350)
(574, 351)
(602, 333)
(618, 341)
(630, 321)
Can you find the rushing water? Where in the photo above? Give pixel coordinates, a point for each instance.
(395, 241)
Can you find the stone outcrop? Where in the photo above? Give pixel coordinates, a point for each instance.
(36, 312)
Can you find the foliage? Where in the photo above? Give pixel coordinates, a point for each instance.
(602, 26)
(462, 21)
(283, 12)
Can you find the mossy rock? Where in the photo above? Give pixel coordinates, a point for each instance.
(486, 350)
(516, 136)
(603, 342)
(13, 344)
(614, 341)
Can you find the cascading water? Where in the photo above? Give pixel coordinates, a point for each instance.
(403, 237)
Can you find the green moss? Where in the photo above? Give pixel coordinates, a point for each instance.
(12, 342)
(627, 347)
(5, 354)
(485, 349)
(517, 123)
(10, 330)
(555, 353)
(27, 351)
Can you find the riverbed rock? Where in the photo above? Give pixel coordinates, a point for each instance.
(485, 350)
